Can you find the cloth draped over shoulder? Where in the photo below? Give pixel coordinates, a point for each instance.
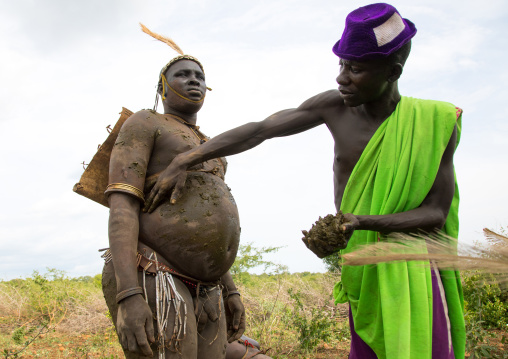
(391, 303)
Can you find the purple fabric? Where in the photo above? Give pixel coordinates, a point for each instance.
(359, 349)
(359, 41)
(440, 336)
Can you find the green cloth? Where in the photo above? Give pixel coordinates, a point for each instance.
(391, 303)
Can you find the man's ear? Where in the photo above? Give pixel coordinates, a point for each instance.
(395, 72)
(159, 90)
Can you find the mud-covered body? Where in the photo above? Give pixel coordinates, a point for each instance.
(199, 235)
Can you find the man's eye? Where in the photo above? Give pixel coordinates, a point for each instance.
(355, 70)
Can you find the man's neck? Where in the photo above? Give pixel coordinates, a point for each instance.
(382, 108)
(188, 117)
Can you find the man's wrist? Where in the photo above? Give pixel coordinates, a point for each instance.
(228, 293)
(128, 293)
(362, 222)
(184, 161)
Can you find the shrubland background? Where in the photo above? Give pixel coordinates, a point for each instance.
(50, 315)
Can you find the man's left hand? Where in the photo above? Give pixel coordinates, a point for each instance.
(323, 246)
(349, 225)
(235, 317)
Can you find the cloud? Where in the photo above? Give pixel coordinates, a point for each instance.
(69, 68)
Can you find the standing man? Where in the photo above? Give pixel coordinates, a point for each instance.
(166, 279)
(393, 172)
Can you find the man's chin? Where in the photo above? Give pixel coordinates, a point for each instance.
(350, 100)
(350, 103)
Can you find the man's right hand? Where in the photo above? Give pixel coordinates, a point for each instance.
(172, 178)
(135, 325)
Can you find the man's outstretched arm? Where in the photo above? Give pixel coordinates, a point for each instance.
(239, 139)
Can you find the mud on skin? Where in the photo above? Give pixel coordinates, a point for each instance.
(198, 233)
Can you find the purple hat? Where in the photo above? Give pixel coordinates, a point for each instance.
(372, 32)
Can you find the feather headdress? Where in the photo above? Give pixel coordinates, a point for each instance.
(161, 38)
(168, 41)
(162, 83)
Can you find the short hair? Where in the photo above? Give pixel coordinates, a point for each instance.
(400, 56)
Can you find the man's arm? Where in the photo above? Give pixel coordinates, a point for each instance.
(429, 216)
(235, 311)
(239, 139)
(129, 158)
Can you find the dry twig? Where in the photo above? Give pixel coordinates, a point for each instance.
(441, 250)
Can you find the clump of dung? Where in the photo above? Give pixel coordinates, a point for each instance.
(328, 232)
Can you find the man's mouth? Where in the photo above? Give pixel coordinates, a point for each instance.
(345, 94)
(195, 92)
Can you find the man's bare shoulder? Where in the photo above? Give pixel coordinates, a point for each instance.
(323, 100)
(141, 126)
(143, 118)
(146, 121)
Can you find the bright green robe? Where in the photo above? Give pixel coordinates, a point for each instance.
(391, 303)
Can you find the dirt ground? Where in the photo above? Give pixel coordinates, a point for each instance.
(56, 345)
(59, 345)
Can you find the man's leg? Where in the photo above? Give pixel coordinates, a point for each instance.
(245, 348)
(187, 347)
(212, 340)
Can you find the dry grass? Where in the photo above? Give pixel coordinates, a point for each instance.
(63, 304)
(76, 310)
(491, 257)
(88, 317)
(83, 328)
(275, 320)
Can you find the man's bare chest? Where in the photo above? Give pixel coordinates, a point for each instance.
(351, 136)
(170, 139)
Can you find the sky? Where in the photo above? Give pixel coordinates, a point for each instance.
(68, 68)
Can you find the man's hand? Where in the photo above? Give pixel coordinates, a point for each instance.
(319, 247)
(325, 241)
(349, 225)
(235, 317)
(173, 177)
(135, 325)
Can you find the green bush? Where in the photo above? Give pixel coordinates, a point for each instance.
(484, 301)
(485, 308)
(313, 324)
(332, 263)
(43, 298)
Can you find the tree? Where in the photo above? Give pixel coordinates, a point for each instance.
(250, 257)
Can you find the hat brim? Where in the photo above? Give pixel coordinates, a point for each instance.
(407, 36)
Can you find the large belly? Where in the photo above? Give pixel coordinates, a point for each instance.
(198, 235)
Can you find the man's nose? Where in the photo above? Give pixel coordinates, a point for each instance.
(342, 79)
(194, 81)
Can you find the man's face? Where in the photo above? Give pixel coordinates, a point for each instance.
(362, 82)
(186, 78)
